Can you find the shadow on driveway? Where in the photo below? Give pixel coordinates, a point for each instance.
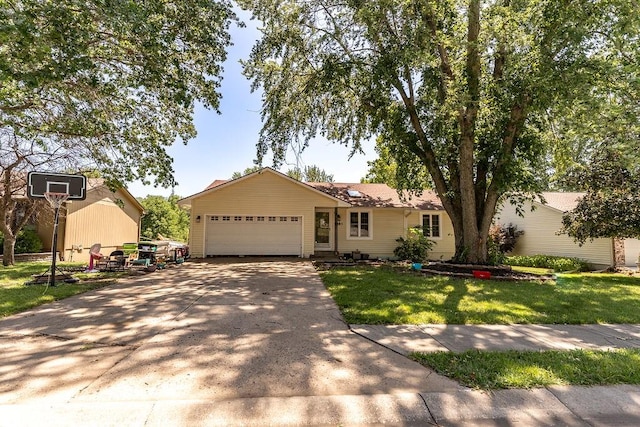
(210, 330)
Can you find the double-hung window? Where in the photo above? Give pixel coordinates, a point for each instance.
(360, 226)
(431, 225)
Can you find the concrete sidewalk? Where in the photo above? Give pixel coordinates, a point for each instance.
(405, 339)
(557, 405)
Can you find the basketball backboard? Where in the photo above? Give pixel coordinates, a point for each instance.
(39, 183)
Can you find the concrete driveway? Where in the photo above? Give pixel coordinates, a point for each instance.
(205, 343)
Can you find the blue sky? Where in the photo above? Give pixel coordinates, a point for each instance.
(226, 142)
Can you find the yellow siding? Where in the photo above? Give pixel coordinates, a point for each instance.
(260, 194)
(444, 248)
(98, 219)
(44, 227)
(388, 225)
(540, 228)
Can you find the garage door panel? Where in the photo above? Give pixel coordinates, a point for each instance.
(253, 235)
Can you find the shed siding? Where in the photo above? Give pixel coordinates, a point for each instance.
(260, 194)
(98, 219)
(540, 227)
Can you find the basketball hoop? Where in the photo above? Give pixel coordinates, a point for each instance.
(56, 199)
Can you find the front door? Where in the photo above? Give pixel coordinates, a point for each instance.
(323, 233)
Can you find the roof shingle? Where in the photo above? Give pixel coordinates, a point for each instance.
(562, 201)
(378, 196)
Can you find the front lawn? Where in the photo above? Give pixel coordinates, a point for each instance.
(385, 295)
(16, 297)
(527, 369)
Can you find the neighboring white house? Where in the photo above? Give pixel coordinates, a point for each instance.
(541, 236)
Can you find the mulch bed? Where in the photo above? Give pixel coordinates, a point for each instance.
(497, 272)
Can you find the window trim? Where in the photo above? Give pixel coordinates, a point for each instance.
(431, 214)
(348, 223)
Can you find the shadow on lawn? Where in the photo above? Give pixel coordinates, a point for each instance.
(451, 306)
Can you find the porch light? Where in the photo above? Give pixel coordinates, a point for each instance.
(198, 218)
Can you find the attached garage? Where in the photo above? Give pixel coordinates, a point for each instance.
(253, 235)
(263, 213)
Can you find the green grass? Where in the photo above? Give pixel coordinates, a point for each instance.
(387, 295)
(533, 270)
(15, 296)
(528, 369)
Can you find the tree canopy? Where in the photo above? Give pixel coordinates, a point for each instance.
(611, 204)
(465, 87)
(111, 83)
(247, 171)
(104, 85)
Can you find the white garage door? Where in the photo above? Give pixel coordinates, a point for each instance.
(253, 235)
(631, 251)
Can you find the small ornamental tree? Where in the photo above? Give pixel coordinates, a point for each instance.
(611, 206)
(505, 237)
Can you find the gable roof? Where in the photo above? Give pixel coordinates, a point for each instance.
(561, 201)
(379, 196)
(95, 183)
(219, 184)
(369, 195)
(216, 183)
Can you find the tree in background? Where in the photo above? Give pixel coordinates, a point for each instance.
(611, 205)
(247, 171)
(105, 86)
(163, 218)
(461, 86)
(409, 172)
(382, 170)
(310, 174)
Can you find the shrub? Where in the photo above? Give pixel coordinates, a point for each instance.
(495, 255)
(554, 263)
(415, 247)
(27, 242)
(504, 238)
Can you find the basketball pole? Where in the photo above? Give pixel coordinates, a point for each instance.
(54, 245)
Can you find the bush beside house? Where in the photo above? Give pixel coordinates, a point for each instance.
(27, 242)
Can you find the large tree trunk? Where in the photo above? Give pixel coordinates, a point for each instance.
(8, 247)
(470, 238)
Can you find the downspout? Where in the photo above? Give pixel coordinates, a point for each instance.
(335, 231)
